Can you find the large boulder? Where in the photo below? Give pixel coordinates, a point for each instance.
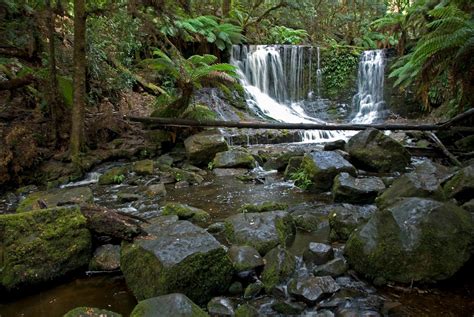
(413, 240)
(354, 190)
(234, 158)
(374, 151)
(461, 185)
(321, 168)
(263, 231)
(279, 265)
(202, 147)
(176, 257)
(42, 245)
(55, 197)
(345, 218)
(171, 305)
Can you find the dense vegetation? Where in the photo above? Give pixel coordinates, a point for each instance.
(62, 61)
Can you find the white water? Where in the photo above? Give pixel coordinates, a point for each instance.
(369, 98)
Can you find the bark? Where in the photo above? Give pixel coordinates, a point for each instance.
(79, 78)
(226, 7)
(53, 81)
(16, 82)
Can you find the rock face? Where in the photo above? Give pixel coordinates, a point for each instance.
(413, 240)
(52, 198)
(279, 265)
(344, 218)
(202, 147)
(176, 257)
(41, 245)
(263, 231)
(244, 258)
(171, 305)
(322, 167)
(373, 151)
(461, 185)
(90, 312)
(353, 190)
(234, 158)
(106, 258)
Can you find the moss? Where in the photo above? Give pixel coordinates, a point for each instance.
(144, 167)
(199, 112)
(56, 196)
(112, 175)
(246, 310)
(90, 312)
(185, 212)
(280, 264)
(266, 206)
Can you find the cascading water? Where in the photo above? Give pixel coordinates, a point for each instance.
(368, 102)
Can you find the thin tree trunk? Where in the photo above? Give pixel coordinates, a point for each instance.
(53, 93)
(77, 127)
(226, 7)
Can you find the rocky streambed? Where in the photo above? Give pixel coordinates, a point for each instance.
(224, 231)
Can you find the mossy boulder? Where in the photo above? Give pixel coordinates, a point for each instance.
(345, 218)
(176, 257)
(238, 157)
(372, 150)
(42, 245)
(186, 212)
(55, 197)
(115, 175)
(461, 185)
(263, 231)
(321, 168)
(349, 189)
(263, 207)
(90, 312)
(279, 265)
(413, 240)
(171, 305)
(144, 167)
(201, 148)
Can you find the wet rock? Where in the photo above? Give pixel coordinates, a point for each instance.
(222, 172)
(263, 207)
(318, 253)
(353, 312)
(144, 167)
(263, 231)
(246, 310)
(191, 168)
(244, 258)
(56, 197)
(234, 158)
(335, 145)
(179, 257)
(469, 206)
(124, 197)
(288, 308)
(105, 258)
(90, 312)
(334, 268)
(221, 306)
(461, 185)
(279, 265)
(181, 184)
(293, 166)
(312, 289)
(353, 190)
(202, 147)
(156, 190)
(42, 245)
(236, 288)
(183, 175)
(186, 212)
(413, 240)
(466, 144)
(344, 218)
(322, 167)
(165, 159)
(372, 150)
(280, 161)
(115, 175)
(217, 227)
(253, 290)
(171, 305)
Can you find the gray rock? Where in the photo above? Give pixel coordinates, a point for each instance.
(372, 150)
(353, 190)
(312, 289)
(57, 197)
(181, 184)
(244, 258)
(279, 161)
(234, 158)
(90, 312)
(221, 306)
(180, 257)
(253, 289)
(246, 310)
(288, 308)
(124, 197)
(344, 218)
(236, 288)
(279, 265)
(186, 212)
(170, 305)
(322, 167)
(324, 313)
(222, 172)
(165, 159)
(144, 167)
(413, 240)
(461, 185)
(293, 166)
(469, 206)
(318, 253)
(334, 268)
(115, 175)
(156, 190)
(105, 258)
(335, 145)
(263, 231)
(202, 147)
(215, 228)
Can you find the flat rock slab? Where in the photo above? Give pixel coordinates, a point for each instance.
(55, 197)
(349, 189)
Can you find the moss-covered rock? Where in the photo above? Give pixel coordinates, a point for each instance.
(202, 147)
(279, 161)
(246, 310)
(322, 167)
(461, 185)
(244, 258)
(55, 197)
(345, 218)
(90, 312)
(415, 239)
(106, 258)
(221, 306)
(186, 212)
(42, 245)
(238, 157)
(115, 175)
(171, 305)
(263, 207)
(374, 151)
(144, 167)
(293, 166)
(263, 231)
(279, 265)
(354, 190)
(176, 257)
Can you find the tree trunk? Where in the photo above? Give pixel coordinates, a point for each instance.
(77, 127)
(53, 93)
(226, 7)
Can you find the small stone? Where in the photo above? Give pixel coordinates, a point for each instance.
(289, 308)
(221, 306)
(318, 253)
(156, 190)
(333, 268)
(279, 265)
(127, 197)
(253, 290)
(181, 184)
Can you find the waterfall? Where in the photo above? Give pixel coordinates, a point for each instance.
(368, 102)
(277, 83)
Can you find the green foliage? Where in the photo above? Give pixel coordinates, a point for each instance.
(199, 112)
(301, 179)
(284, 35)
(118, 179)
